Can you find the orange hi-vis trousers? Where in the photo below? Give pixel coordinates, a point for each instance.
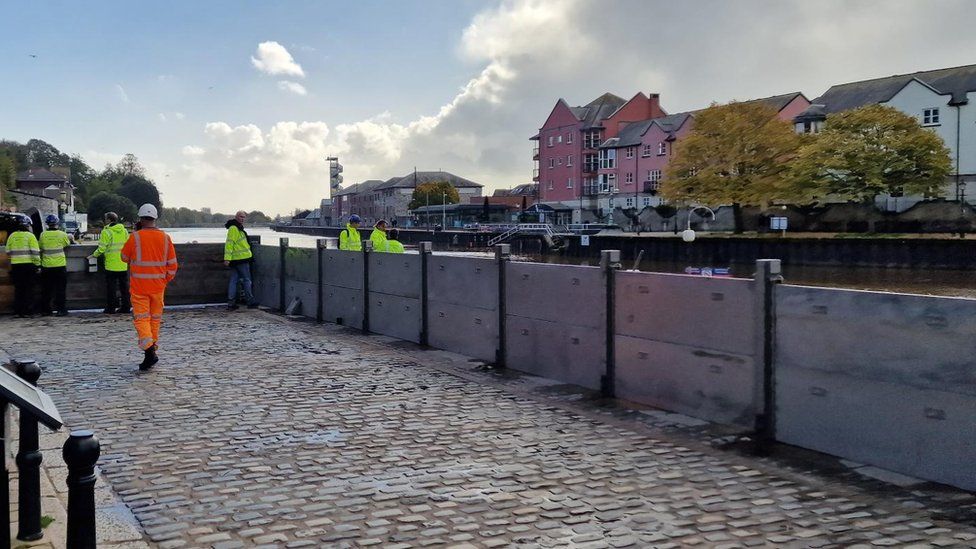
(147, 315)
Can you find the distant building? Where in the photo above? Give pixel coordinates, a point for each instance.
(42, 192)
(527, 193)
(943, 100)
(375, 199)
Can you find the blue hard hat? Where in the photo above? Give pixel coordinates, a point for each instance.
(355, 219)
(51, 219)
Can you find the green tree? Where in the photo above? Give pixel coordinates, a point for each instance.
(140, 191)
(104, 202)
(129, 165)
(868, 151)
(45, 155)
(736, 154)
(8, 176)
(434, 193)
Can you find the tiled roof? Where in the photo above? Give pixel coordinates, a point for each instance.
(40, 174)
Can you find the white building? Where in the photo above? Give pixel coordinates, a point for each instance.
(943, 100)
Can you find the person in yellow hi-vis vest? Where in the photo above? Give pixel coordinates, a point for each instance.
(238, 257)
(393, 245)
(54, 267)
(25, 262)
(349, 239)
(378, 236)
(110, 244)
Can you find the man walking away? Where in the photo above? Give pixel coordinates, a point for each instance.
(25, 261)
(54, 267)
(238, 257)
(349, 237)
(110, 244)
(152, 264)
(392, 244)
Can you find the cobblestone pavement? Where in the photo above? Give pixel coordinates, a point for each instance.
(255, 430)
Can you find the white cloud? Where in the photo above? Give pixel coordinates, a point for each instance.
(272, 58)
(120, 92)
(293, 87)
(161, 116)
(179, 115)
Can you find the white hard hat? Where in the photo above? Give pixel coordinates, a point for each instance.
(148, 210)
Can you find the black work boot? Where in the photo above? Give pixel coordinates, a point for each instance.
(150, 359)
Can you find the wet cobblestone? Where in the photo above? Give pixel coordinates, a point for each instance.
(258, 431)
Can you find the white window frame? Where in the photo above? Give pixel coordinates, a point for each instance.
(552, 163)
(569, 182)
(931, 117)
(646, 201)
(646, 151)
(629, 178)
(550, 184)
(550, 141)
(569, 137)
(608, 159)
(569, 160)
(630, 202)
(662, 148)
(559, 138)
(630, 152)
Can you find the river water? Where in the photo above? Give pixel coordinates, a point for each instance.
(916, 281)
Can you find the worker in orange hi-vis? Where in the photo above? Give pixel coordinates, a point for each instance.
(152, 264)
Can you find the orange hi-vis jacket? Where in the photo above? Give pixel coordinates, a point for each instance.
(152, 261)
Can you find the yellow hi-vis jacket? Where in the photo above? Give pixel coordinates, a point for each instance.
(236, 247)
(52, 244)
(349, 239)
(110, 244)
(22, 248)
(379, 240)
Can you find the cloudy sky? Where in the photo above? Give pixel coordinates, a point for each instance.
(236, 104)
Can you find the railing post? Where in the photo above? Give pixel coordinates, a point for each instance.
(28, 464)
(320, 245)
(367, 250)
(609, 263)
(80, 453)
(426, 248)
(283, 251)
(4, 477)
(768, 275)
(503, 254)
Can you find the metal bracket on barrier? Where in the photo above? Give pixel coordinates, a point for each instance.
(320, 245)
(609, 263)
(426, 248)
(367, 250)
(282, 276)
(769, 273)
(503, 254)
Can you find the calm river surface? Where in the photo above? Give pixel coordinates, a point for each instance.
(929, 281)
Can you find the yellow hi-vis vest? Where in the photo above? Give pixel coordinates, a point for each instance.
(52, 244)
(110, 244)
(236, 247)
(349, 239)
(379, 240)
(23, 249)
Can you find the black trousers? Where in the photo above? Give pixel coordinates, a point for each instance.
(54, 280)
(116, 285)
(22, 275)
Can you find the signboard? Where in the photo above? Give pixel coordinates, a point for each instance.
(779, 223)
(708, 271)
(584, 240)
(29, 399)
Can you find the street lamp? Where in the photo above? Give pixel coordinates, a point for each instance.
(688, 235)
(62, 206)
(444, 212)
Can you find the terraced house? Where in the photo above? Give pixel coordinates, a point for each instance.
(376, 199)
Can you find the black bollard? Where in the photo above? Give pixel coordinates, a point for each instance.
(29, 465)
(80, 453)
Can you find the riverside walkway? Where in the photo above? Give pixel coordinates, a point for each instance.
(257, 430)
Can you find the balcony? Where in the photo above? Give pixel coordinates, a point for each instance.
(652, 187)
(535, 153)
(591, 167)
(591, 190)
(535, 174)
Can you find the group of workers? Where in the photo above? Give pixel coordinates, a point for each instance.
(138, 267)
(383, 237)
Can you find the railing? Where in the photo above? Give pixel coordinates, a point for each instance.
(529, 228)
(80, 452)
(652, 187)
(591, 167)
(535, 152)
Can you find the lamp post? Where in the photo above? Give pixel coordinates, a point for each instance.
(688, 235)
(62, 206)
(444, 212)
(428, 210)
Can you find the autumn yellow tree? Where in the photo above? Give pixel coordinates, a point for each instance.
(868, 151)
(737, 154)
(434, 193)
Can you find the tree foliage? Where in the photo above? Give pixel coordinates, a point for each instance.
(433, 193)
(104, 202)
(140, 191)
(186, 217)
(737, 153)
(129, 165)
(868, 151)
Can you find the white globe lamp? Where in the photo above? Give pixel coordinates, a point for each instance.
(688, 235)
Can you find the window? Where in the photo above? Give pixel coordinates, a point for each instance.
(591, 140)
(591, 163)
(630, 152)
(608, 159)
(930, 117)
(559, 138)
(552, 163)
(654, 175)
(630, 202)
(647, 150)
(646, 201)
(569, 160)
(550, 141)
(569, 137)
(550, 184)
(559, 161)
(569, 183)
(630, 177)
(662, 148)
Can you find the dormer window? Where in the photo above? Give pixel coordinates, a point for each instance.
(930, 117)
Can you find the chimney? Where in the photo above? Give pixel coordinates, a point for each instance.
(654, 109)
